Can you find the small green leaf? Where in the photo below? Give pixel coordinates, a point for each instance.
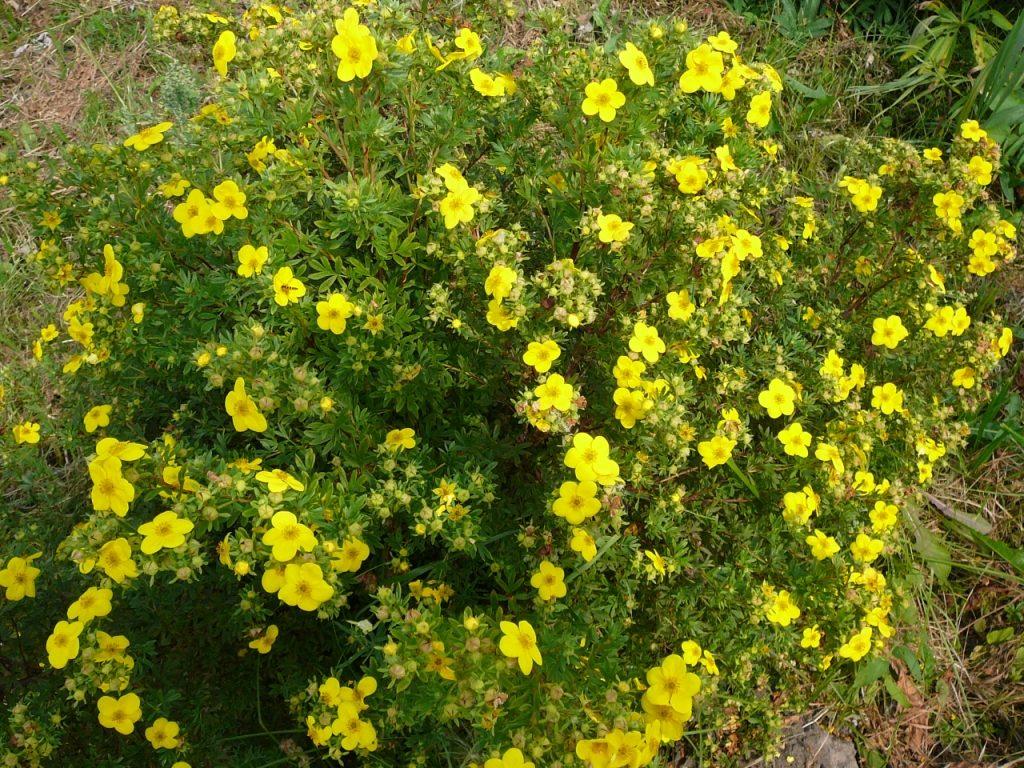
(870, 672)
(932, 548)
(894, 690)
(997, 636)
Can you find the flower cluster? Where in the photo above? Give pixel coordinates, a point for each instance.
(484, 375)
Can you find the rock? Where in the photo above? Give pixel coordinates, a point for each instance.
(809, 746)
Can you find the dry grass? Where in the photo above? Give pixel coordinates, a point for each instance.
(47, 92)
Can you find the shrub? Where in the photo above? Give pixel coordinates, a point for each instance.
(480, 402)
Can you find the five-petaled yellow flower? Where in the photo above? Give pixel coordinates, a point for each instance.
(224, 51)
(354, 46)
(244, 413)
(288, 289)
(603, 99)
(120, 714)
(519, 642)
(148, 137)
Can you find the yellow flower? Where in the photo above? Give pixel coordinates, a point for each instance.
(589, 457)
(165, 531)
(634, 60)
(603, 99)
(223, 52)
(798, 506)
(945, 320)
(62, 645)
(646, 342)
(26, 432)
(932, 154)
(354, 46)
(779, 399)
(716, 451)
(95, 602)
(196, 216)
(400, 439)
(732, 81)
(541, 354)
(631, 405)
(457, 205)
(485, 84)
(163, 734)
(888, 331)
(304, 586)
(628, 372)
(121, 450)
(680, 307)
(724, 156)
(468, 43)
(554, 392)
(983, 243)
(980, 171)
(96, 417)
(279, 481)
(513, 758)
(406, 44)
(115, 559)
(964, 377)
(795, 440)
(612, 229)
(723, 42)
(110, 491)
(811, 637)
(174, 186)
(288, 289)
(230, 201)
(829, 454)
(887, 398)
(349, 558)
(704, 70)
(865, 549)
(147, 137)
(972, 131)
(863, 194)
(121, 713)
(948, 206)
(822, 545)
(658, 563)
(334, 312)
(18, 578)
(500, 281)
(287, 536)
(111, 647)
(857, 646)
(519, 642)
(242, 409)
(265, 641)
(549, 581)
(690, 175)
(583, 543)
(883, 516)
(671, 684)
(251, 260)
(577, 501)
(760, 112)
(781, 609)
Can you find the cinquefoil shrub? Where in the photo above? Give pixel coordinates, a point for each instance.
(489, 405)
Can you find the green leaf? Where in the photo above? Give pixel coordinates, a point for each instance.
(997, 636)
(805, 91)
(1014, 557)
(906, 655)
(932, 548)
(894, 690)
(870, 672)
